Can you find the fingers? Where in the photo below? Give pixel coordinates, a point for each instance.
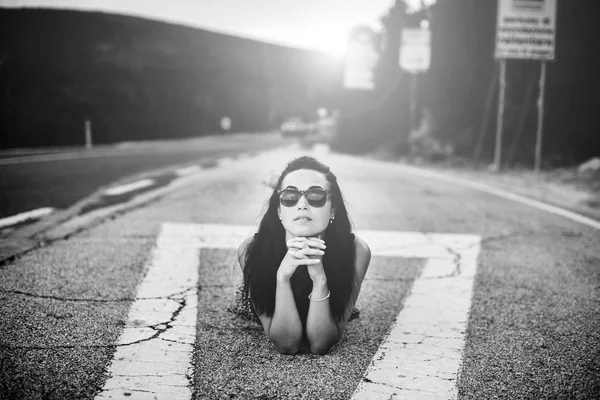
(302, 247)
(305, 251)
(299, 257)
(303, 242)
(297, 253)
(316, 243)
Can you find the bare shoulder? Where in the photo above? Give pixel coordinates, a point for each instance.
(242, 251)
(363, 257)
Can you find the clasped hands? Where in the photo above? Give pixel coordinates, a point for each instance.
(303, 251)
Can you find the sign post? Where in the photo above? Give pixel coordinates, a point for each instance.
(88, 133)
(499, 125)
(526, 29)
(540, 105)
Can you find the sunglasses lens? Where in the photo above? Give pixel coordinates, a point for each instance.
(316, 198)
(289, 198)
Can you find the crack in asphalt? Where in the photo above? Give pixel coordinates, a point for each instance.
(377, 278)
(124, 299)
(218, 286)
(159, 329)
(457, 258)
(404, 388)
(387, 385)
(173, 341)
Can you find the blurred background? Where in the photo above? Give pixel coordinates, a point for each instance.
(80, 72)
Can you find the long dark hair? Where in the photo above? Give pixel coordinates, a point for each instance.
(265, 252)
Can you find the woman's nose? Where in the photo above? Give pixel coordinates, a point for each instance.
(302, 203)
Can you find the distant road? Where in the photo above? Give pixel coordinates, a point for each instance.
(59, 180)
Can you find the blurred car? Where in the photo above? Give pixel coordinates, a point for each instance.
(293, 127)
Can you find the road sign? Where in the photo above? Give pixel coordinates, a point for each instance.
(526, 29)
(415, 49)
(361, 59)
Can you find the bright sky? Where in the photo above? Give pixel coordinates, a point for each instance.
(314, 24)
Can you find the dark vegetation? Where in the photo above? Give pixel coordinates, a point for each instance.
(461, 90)
(138, 79)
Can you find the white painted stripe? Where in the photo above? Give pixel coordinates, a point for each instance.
(421, 356)
(425, 343)
(507, 195)
(193, 169)
(129, 187)
(43, 158)
(64, 156)
(26, 216)
(153, 359)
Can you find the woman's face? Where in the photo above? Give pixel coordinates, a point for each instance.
(302, 219)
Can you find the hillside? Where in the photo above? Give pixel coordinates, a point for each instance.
(143, 79)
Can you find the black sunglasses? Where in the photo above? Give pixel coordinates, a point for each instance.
(316, 197)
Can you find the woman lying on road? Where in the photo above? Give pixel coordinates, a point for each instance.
(303, 269)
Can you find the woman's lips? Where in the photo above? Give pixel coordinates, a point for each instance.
(302, 219)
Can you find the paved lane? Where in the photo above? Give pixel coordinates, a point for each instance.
(532, 328)
(60, 180)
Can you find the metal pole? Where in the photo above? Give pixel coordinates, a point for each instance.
(413, 102)
(501, 92)
(88, 133)
(540, 121)
(205, 115)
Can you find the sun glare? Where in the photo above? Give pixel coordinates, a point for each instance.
(332, 39)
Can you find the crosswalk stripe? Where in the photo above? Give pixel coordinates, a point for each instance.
(420, 356)
(154, 352)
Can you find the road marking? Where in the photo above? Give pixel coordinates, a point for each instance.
(421, 354)
(507, 195)
(26, 216)
(188, 170)
(63, 156)
(129, 187)
(153, 359)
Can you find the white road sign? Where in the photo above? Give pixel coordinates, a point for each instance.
(415, 49)
(361, 59)
(526, 29)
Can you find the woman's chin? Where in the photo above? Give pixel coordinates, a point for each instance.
(305, 231)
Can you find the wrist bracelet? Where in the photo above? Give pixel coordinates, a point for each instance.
(324, 298)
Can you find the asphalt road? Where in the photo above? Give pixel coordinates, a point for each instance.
(532, 331)
(60, 179)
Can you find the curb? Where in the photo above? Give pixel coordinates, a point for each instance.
(66, 223)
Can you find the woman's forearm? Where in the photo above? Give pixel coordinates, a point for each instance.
(321, 328)
(286, 327)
